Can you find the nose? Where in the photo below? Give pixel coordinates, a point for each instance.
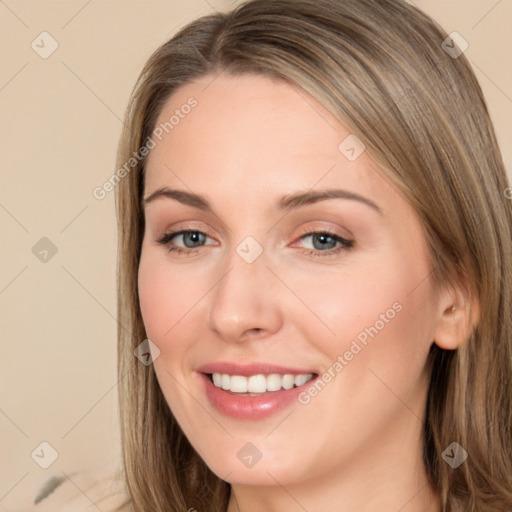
(245, 302)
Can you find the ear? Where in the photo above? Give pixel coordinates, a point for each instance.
(458, 315)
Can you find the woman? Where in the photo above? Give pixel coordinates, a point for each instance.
(314, 268)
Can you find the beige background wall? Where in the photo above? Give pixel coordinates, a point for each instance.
(60, 123)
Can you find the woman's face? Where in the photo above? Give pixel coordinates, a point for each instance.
(301, 259)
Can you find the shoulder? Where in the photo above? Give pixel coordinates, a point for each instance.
(87, 490)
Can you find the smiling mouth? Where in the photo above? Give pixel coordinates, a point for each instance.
(259, 384)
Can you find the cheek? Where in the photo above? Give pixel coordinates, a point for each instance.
(167, 295)
(156, 299)
(168, 300)
(382, 335)
(383, 306)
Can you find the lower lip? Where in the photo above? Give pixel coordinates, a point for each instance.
(251, 407)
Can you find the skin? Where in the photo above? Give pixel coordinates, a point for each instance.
(357, 444)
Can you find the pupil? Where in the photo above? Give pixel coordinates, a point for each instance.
(194, 236)
(323, 239)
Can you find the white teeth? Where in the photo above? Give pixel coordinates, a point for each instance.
(238, 384)
(288, 381)
(301, 379)
(217, 379)
(259, 383)
(273, 382)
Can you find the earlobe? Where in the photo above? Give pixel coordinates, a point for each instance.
(458, 316)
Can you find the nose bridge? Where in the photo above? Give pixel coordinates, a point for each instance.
(242, 300)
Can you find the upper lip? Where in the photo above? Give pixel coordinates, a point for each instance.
(250, 369)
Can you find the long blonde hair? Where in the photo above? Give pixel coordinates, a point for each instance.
(380, 67)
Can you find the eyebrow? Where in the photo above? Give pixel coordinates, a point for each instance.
(288, 202)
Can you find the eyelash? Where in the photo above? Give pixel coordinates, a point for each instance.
(345, 244)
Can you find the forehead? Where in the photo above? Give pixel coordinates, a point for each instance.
(253, 133)
(249, 108)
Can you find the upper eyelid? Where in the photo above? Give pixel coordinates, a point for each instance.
(309, 232)
(198, 226)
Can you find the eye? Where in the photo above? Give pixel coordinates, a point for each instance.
(326, 243)
(191, 240)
